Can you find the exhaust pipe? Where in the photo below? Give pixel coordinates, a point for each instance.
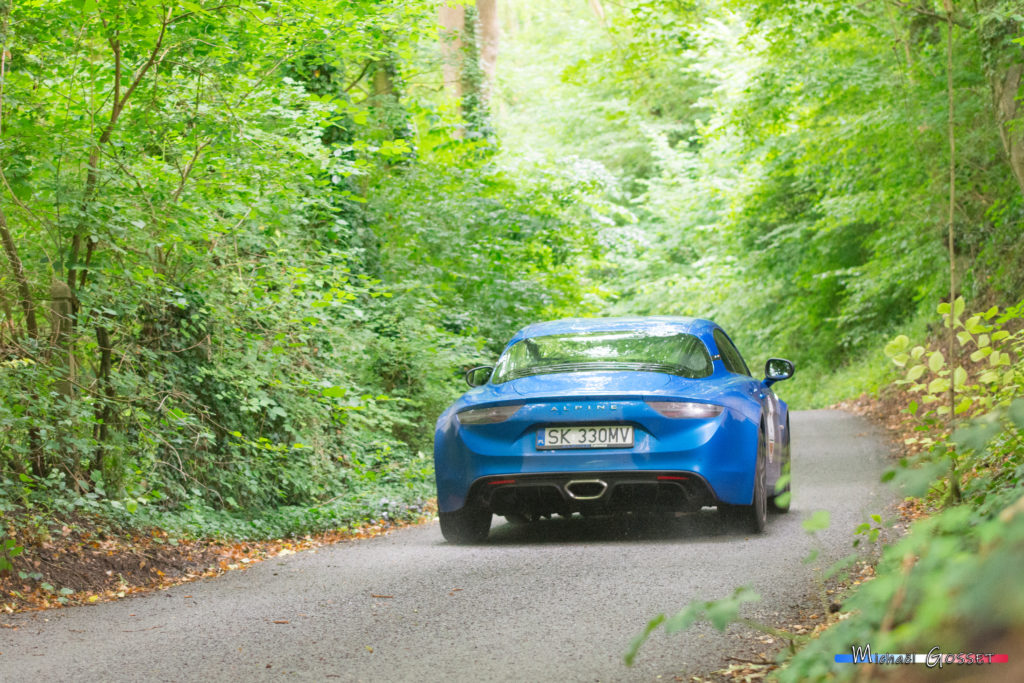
(586, 489)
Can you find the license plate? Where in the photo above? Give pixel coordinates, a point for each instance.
(585, 436)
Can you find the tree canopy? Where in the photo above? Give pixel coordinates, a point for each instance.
(249, 246)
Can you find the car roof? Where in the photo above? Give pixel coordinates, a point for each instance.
(655, 323)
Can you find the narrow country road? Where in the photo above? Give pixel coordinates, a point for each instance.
(556, 601)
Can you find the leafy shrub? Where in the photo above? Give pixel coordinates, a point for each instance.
(945, 582)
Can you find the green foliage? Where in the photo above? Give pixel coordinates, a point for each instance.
(279, 257)
(945, 581)
(785, 163)
(720, 613)
(8, 551)
(978, 385)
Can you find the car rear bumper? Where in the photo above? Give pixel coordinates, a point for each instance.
(591, 492)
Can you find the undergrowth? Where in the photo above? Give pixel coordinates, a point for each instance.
(951, 583)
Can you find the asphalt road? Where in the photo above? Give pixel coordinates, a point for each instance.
(555, 601)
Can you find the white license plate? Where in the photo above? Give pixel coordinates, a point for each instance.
(585, 436)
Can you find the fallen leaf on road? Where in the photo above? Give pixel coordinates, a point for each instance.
(282, 621)
(375, 595)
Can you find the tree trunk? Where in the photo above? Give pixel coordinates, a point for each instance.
(472, 76)
(452, 20)
(60, 336)
(105, 406)
(383, 85)
(28, 305)
(1005, 87)
(7, 326)
(489, 33)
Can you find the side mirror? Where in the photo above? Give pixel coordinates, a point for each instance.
(478, 376)
(777, 369)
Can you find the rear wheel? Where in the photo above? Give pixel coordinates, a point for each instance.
(757, 513)
(471, 524)
(753, 516)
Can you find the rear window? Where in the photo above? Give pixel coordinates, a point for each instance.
(675, 353)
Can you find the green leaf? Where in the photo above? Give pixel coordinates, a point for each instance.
(1016, 412)
(914, 373)
(915, 482)
(817, 522)
(682, 620)
(640, 639)
(897, 345)
(980, 354)
(976, 435)
(963, 406)
(936, 361)
(721, 613)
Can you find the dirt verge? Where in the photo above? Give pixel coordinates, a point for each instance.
(80, 561)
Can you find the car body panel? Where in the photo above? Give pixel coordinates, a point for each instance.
(720, 451)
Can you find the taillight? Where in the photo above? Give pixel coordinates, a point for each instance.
(685, 410)
(486, 416)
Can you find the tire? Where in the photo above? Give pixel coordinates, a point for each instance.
(753, 516)
(785, 493)
(469, 525)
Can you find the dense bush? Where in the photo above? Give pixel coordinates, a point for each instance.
(948, 581)
(246, 264)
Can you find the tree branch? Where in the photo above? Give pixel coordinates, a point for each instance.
(931, 14)
(366, 67)
(187, 171)
(92, 175)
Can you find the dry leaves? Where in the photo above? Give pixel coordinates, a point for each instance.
(111, 568)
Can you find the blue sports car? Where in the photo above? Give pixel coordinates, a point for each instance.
(613, 415)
